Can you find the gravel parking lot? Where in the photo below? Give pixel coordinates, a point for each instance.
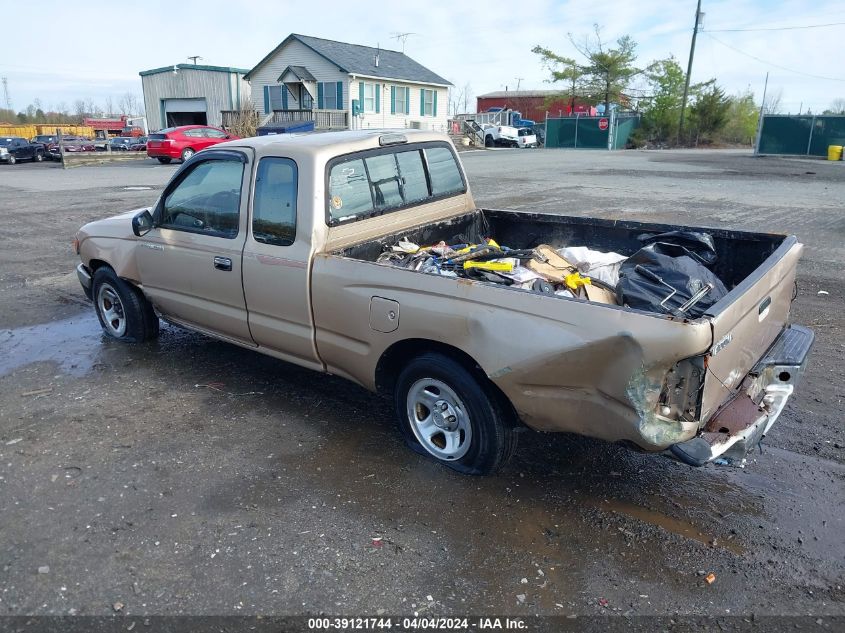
(189, 476)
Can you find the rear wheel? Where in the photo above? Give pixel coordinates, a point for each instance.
(488, 141)
(164, 160)
(124, 313)
(187, 153)
(447, 413)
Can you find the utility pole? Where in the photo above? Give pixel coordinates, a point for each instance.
(518, 81)
(760, 117)
(689, 69)
(194, 58)
(6, 98)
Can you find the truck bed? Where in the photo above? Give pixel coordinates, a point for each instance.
(739, 253)
(568, 364)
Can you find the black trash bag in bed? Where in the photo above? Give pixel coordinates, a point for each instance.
(697, 245)
(654, 281)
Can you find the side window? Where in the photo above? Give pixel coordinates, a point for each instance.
(349, 190)
(274, 205)
(207, 199)
(211, 133)
(445, 175)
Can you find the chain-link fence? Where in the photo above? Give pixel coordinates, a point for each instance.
(590, 132)
(802, 135)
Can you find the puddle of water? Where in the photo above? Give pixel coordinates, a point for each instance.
(670, 524)
(73, 344)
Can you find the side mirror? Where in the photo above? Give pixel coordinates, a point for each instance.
(142, 223)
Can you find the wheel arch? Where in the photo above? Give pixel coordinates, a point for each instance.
(95, 264)
(394, 357)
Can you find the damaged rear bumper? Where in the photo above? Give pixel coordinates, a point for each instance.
(744, 420)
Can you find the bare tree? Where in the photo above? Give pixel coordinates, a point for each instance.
(129, 104)
(109, 106)
(459, 98)
(837, 106)
(773, 102)
(91, 107)
(79, 108)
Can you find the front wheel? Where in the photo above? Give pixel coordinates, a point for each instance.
(449, 414)
(187, 153)
(38, 157)
(164, 160)
(12, 160)
(124, 313)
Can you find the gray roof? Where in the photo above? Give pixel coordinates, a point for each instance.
(360, 60)
(301, 73)
(514, 94)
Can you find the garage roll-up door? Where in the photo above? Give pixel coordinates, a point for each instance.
(185, 105)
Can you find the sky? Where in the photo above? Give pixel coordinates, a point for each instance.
(98, 48)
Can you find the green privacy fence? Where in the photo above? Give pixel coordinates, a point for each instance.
(804, 135)
(584, 132)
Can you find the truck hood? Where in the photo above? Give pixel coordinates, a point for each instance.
(118, 226)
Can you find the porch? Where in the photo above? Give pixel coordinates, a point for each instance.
(323, 119)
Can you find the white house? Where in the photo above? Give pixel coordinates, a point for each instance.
(309, 78)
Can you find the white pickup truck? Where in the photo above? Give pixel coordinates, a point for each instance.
(277, 244)
(508, 136)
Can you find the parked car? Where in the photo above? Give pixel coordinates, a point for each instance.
(139, 144)
(184, 141)
(45, 139)
(338, 252)
(71, 144)
(121, 143)
(15, 148)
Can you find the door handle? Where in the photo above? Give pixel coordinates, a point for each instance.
(222, 263)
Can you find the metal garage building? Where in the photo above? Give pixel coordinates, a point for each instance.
(192, 94)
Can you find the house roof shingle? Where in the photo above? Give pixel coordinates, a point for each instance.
(360, 60)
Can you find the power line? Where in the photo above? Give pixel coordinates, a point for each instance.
(776, 28)
(763, 61)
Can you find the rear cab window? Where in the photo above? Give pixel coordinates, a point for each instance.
(274, 202)
(384, 180)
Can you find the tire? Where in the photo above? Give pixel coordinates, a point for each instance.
(187, 153)
(164, 160)
(488, 141)
(124, 313)
(473, 432)
(12, 160)
(38, 157)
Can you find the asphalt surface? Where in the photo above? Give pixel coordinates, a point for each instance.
(188, 476)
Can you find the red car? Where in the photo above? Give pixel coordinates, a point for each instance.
(184, 141)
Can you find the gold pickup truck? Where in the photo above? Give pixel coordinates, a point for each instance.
(275, 243)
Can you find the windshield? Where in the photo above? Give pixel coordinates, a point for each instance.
(5, 142)
(43, 139)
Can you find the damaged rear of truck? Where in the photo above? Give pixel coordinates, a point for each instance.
(699, 388)
(320, 250)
